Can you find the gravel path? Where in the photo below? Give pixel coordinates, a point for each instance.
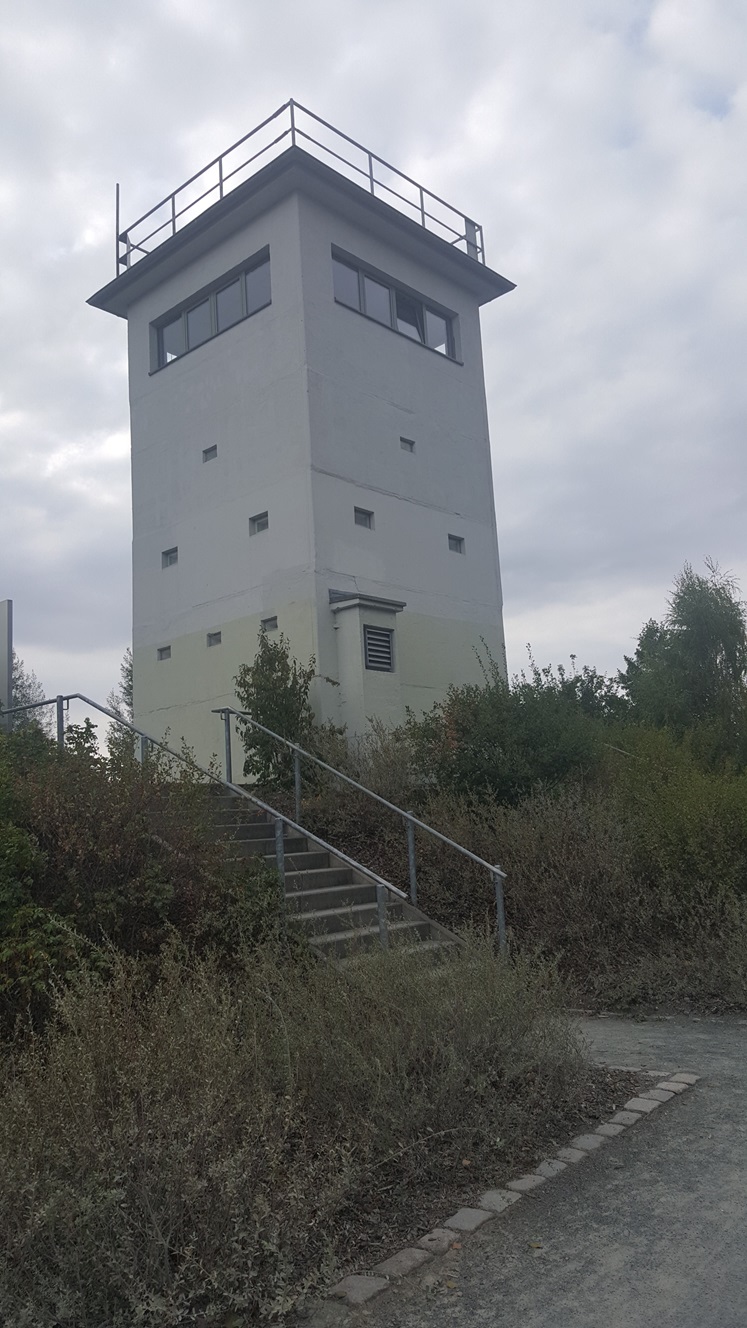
(652, 1229)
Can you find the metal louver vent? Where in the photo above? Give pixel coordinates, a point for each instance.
(378, 649)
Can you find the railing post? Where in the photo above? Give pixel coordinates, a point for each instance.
(227, 744)
(370, 172)
(280, 851)
(173, 214)
(293, 123)
(470, 234)
(60, 721)
(381, 913)
(142, 748)
(220, 177)
(411, 859)
(499, 877)
(297, 784)
(422, 207)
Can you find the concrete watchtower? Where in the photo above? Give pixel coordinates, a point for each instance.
(310, 445)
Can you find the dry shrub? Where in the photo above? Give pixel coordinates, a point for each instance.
(208, 1147)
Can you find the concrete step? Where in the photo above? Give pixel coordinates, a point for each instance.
(251, 848)
(237, 828)
(317, 879)
(340, 944)
(335, 897)
(327, 920)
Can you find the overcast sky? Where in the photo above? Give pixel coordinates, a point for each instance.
(601, 143)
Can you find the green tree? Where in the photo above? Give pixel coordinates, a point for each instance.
(27, 690)
(689, 672)
(274, 690)
(120, 698)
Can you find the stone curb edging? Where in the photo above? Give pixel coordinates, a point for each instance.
(358, 1288)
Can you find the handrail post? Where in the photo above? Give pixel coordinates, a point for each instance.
(293, 122)
(411, 863)
(280, 850)
(220, 177)
(297, 784)
(173, 214)
(60, 703)
(422, 206)
(381, 914)
(370, 172)
(499, 877)
(470, 235)
(227, 742)
(143, 745)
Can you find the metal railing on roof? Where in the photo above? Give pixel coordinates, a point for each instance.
(292, 125)
(497, 873)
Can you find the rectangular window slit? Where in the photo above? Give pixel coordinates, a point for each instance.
(378, 649)
(269, 624)
(163, 652)
(210, 453)
(407, 444)
(214, 638)
(259, 523)
(456, 543)
(364, 518)
(170, 557)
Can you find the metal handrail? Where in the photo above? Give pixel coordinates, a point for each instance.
(467, 233)
(411, 821)
(280, 819)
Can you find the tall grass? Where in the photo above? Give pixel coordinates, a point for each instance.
(208, 1146)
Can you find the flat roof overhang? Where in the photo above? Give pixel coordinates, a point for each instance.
(295, 171)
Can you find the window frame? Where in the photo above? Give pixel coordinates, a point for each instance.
(210, 453)
(180, 312)
(166, 557)
(367, 523)
(163, 653)
(424, 305)
(213, 639)
(269, 624)
(456, 543)
(259, 523)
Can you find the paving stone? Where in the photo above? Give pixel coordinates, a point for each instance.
(684, 1078)
(673, 1087)
(356, 1290)
(642, 1104)
(588, 1142)
(625, 1118)
(572, 1154)
(551, 1167)
(437, 1241)
(468, 1219)
(497, 1200)
(524, 1183)
(401, 1263)
(609, 1129)
(659, 1095)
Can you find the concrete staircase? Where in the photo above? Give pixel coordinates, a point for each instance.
(334, 904)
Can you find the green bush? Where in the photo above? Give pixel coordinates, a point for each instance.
(171, 1155)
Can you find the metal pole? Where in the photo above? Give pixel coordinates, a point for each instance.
(470, 234)
(116, 231)
(370, 172)
(227, 742)
(142, 754)
(6, 661)
(280, 851)
(60, 721)
(381, 912)
(422, 206)
(411, 859)
(498, 879)
(220, 177)
(293, 122)
(297, 784)
(173, 214)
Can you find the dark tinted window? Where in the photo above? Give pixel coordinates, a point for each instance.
(228, 305)
(345, 282)
(376, 300)
(198, 324)
(258, 287)
(409, 317)
(172, 340)
(436, 332)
